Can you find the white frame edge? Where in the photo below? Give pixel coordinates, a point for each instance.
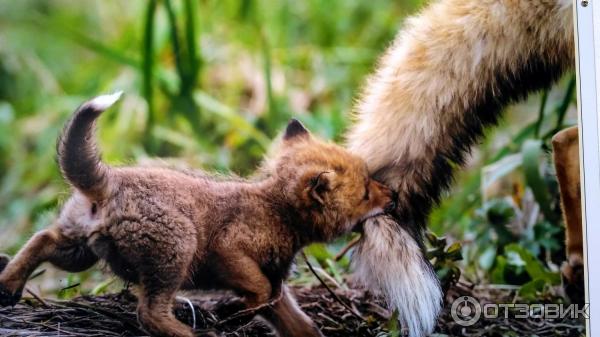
(589, 152)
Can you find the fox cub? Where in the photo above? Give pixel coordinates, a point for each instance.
(168, 230)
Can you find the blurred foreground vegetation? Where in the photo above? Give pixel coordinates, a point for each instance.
(209, 83)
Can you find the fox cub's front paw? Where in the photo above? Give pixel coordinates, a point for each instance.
(7, 298)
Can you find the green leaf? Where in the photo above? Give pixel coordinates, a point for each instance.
(392, 325)
(431, 237)
(320, 252)
(514, 259)
(487, 258)
(532, 265)
(443, 272)
(531, 289)
(498, 273)
(454, 252)
(499, 213)
(103, 286)
(334, 270)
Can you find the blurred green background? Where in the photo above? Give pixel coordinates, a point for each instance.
(209, 83)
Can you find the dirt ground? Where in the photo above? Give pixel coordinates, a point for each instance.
(114, 315)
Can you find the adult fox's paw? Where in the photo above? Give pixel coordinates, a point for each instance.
(573, 279)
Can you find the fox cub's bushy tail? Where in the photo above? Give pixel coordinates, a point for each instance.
(78, 156)
(445, 78)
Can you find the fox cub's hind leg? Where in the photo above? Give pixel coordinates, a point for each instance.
(47, 245)
(161, 253)
(155, 306)
(273, 302)
(566, 160)
(160, 281)
(242, 274)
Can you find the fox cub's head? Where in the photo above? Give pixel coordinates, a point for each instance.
(328, 187)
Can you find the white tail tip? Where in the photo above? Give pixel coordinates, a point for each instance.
(388, 259)
(105, 101)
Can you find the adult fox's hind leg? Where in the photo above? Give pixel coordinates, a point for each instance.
(48, 245)
(566, 161)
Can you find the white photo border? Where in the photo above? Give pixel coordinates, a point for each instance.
(589, 150)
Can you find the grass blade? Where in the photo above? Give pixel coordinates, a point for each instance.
(209, 104)
(564, 106)
(540, 119)
(194, 59)
(147, 73)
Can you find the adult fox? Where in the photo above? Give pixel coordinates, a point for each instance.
(444, 79)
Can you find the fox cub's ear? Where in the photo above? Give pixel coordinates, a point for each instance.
(294, 130)
(318, 185)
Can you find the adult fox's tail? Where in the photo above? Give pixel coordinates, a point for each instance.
(389, 259)
(78, 156)
(445, 78)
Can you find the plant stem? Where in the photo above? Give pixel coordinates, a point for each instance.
(191, 40)
(177, 51)
(147, 73)
(540, 119)
(564, 105)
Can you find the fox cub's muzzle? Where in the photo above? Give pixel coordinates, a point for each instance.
(383, 197)
(391, 206)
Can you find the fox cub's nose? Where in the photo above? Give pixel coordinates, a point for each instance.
(391, 206)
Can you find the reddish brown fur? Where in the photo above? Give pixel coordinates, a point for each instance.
(566, 160)
(168, 230)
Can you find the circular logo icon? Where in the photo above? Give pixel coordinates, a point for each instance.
(465, 310)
